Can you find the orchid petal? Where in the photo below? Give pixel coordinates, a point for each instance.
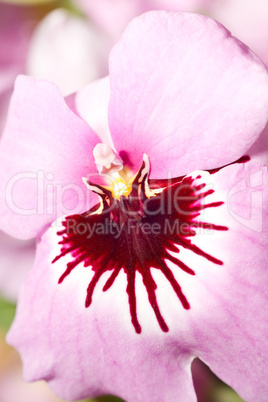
(224, 300)
(182, 91)
(238, 330)
(104, 356)
(91, 104)
(228, 323)
(45, 151)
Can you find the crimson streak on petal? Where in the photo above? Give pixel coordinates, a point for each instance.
(136, 233)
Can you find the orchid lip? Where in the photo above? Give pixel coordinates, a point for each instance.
(135, 229)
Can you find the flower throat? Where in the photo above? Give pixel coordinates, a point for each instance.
(135, 229)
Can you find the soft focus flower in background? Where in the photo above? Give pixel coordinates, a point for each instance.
(16, 26)
(55, 49)
(68, 50)
(112, 16)
(182, 90)
(246, 19)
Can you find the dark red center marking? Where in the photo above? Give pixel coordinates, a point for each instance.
(135, 234)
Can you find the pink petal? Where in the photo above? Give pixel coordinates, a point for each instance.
(16, 260)
(88, 352)
(45, 151)
(227, 301)
(91, 104)
(62, 45)
(184, 92)
(227, 320)
(232, 326)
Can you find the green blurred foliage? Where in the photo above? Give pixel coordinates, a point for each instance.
(221, 393)
(218, 391)
(7, 313)
(225, 394)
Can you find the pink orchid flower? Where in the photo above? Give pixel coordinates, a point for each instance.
(125, 311)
